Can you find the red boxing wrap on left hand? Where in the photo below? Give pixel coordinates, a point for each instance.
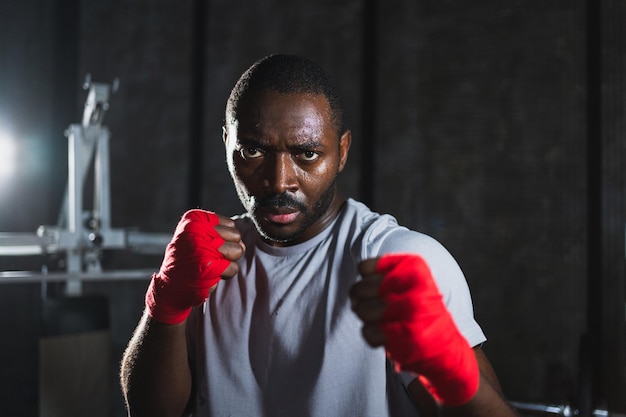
(192, 265)
(421, 335)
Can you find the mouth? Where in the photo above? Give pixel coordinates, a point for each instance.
(281, 215)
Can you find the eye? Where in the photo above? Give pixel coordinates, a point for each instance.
(250, 152)
(308, 156)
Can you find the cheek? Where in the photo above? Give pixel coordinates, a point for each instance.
(320, 177)
(234, 163)
(245, 176)
(329, 168)
(240, 174)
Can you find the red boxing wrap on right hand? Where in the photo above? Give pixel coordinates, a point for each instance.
(421, 335)
(192, 265)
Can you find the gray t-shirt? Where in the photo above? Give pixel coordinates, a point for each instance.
(280, 339)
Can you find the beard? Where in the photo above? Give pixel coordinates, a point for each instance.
(310, 214)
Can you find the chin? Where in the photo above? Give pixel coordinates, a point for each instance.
(276, 236)
(280, 237)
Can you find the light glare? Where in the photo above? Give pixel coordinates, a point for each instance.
(8, 154)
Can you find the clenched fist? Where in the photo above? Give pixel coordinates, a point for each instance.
(402, 309)
(203, 250)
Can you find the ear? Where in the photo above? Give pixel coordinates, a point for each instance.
(344, 147)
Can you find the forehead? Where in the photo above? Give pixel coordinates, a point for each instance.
(274, 114)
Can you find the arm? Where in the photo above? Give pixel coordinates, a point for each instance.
(155, 367)
(155, 373)
(402, 310)
(488, 400)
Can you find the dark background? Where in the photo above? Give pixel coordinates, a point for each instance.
(494, 126)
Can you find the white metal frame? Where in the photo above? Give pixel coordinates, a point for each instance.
(83, 233)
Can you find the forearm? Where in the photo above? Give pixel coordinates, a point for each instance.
(155, 374)
(488, 401)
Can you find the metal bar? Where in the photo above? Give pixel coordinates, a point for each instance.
(28, 277)
(59, 240)
(102, 194)
(147, 243)
(74, 189)
(561, 410)
(24, 239)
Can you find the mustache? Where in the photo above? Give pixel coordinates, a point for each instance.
(280, 200)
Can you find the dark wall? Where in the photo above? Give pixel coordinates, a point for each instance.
(477, 136)
(486, 152)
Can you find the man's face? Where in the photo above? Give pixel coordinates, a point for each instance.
(284, 155)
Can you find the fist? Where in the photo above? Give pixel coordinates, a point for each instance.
(367, 303)
(203, 250)
(402, 309)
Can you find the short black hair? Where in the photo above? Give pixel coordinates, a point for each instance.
(286, 74)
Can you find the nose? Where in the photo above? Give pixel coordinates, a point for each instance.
(280, 174)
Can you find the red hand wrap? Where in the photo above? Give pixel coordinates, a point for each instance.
(191, 266)
(421, 336)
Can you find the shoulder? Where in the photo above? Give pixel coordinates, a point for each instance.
(381, 233)
(363, 223)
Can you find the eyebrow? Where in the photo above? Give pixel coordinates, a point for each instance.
(305, 145)
(309, 144)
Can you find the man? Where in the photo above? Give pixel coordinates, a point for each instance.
(304, 287)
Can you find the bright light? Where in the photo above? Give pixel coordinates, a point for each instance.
(8, 155)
